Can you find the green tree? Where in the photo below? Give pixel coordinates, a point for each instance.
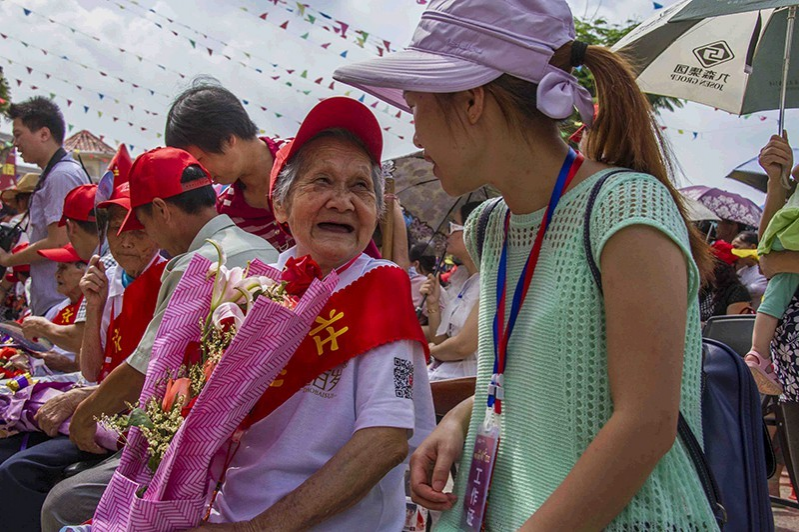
(600, 32)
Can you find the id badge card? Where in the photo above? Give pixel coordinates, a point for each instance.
(483, 459)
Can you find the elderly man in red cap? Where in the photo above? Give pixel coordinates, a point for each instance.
(80, 220)
(171, 195)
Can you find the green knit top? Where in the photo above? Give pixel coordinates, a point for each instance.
(557, 394)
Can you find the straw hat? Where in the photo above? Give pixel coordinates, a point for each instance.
(25, 185)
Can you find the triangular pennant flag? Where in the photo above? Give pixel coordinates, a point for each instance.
(301, 9)
(27, 11)
(695, 135)
(101, 95)
(278, 115)
(69, 102)
(326, 45)
(115, 118)
(210, 52)
(319, 81)
(399, 114)
(285, 25)
(374, 105)
(52, 95)
(263, 108)
(304, 36)
(362, 98)
(85, 108)
(70, 126)
(304, 74)
(263, 16)
(343, 54)
(246, 102)
(344, 27)
(99, 114)
(158, 135)
(306, 92)
(311, 19)
(193, 43)
(332, 85)
(29, 69)
(657, 6)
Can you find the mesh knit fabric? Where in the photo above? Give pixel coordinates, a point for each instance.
(557, 393)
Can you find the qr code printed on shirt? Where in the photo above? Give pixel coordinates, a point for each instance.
(403, 378)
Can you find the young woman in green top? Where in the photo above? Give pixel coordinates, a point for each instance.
(590, 386)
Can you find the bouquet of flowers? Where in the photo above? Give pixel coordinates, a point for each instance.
(201, 383)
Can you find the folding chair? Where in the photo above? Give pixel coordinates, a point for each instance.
(734, 330)
(448, 393)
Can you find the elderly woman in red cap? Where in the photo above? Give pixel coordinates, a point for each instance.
(69, 272)
(326, 444)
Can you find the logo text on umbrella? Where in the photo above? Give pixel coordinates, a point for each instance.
(714, 54)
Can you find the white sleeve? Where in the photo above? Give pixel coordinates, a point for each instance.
(385, 386)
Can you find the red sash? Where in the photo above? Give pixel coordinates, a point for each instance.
(68, 314)
(138, 306)
(373, 311)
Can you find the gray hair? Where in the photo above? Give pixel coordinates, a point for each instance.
(291, 170)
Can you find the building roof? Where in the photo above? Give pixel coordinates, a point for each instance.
(85, 141)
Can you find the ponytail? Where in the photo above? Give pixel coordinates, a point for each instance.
(625, 133)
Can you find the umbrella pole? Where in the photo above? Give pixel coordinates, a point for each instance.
(786, 65)
(388, 222)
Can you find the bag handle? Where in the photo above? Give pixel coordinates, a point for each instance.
(687, 436)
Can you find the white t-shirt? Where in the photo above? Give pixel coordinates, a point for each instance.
(755, 282)
(386, 387)
(462, 297)
(50, 316)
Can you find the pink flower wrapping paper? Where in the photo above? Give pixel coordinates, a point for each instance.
(178, 494)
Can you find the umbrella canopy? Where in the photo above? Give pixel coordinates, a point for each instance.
(726, 205)
(732, 62)
(697, 212)
(753, 175)
(420, 193)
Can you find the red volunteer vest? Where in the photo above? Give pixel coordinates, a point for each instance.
(68, 314)
(138, 306)
(374, 310)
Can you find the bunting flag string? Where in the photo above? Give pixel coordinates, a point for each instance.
(247, 60)
(100, 94)
(367, 40)
(102, 73)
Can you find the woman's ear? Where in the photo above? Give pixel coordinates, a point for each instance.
(475, 104)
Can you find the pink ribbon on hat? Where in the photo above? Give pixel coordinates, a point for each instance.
(559, 93)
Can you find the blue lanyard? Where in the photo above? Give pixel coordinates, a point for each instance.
(502, 334)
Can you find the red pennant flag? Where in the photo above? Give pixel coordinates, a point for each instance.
(115, 118)
(103, 74)
(332, 85)
(263, 16)
(19, 83)
(69, 102)
(285, 25)
(399, 114)
(210, 52)
(47, 76)
(9, 174)
(374, 105)
(29, 69)
(326, 45)
(263, 108)
(290, 71)
(379, 51)
(318, 81)
(120, 165)
(387, 45)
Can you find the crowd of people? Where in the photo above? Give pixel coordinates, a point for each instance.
(581, 362)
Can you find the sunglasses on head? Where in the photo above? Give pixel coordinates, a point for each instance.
(454, 228)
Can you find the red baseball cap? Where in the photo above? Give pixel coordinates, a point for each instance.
(121, 198)
(63, 254)
(338, 112)
(79, 204)
(156, 174)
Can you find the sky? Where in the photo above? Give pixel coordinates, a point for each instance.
(115, 65)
